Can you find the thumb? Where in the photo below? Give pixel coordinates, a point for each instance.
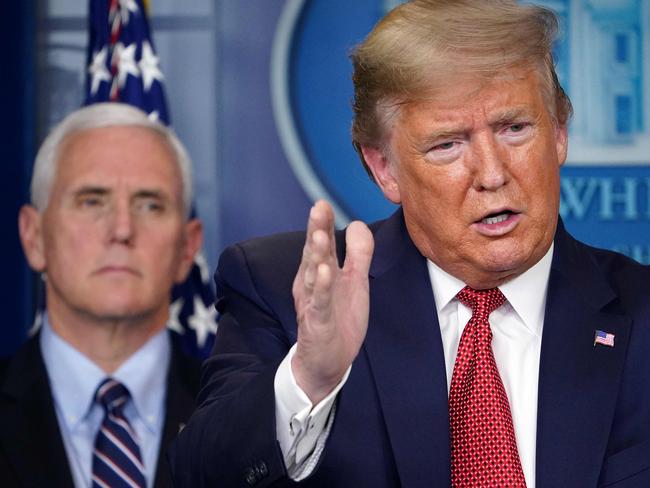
(359, 246)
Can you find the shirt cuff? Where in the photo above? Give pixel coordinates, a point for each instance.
(298, 422)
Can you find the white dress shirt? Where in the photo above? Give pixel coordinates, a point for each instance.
(517, 338)
(74, 379)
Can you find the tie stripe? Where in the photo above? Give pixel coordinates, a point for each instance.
(125, 449)
(116, 457)
(99, 482)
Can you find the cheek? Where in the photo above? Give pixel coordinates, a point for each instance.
(165, 251)
(69, 246)
(437, 195)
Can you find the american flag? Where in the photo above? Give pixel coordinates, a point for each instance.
(122, 61)
(123, 66)
(604, 338)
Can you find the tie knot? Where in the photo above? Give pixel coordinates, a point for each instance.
(111, 394)
(482, 302)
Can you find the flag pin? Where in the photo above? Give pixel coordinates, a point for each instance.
(604, 338)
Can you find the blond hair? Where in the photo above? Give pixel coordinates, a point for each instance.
(423, 44)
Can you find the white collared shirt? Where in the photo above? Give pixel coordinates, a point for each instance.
(517, 339)
(74, 378)
(516, 343)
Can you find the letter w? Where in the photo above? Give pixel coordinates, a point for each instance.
(576, 196)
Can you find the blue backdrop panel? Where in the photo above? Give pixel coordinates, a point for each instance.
(16, 150)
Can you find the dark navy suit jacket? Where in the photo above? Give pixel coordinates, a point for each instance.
(391, 426)
(32, 454)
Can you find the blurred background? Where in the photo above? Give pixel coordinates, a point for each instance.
(259, 91)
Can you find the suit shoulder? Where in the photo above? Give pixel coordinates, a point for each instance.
(266, 266)
(629, 279)
(252, 263)
(185, 368)
(617, 265)
(23, 366)
(285, 246)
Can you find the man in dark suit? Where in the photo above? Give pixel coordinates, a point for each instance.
(95, 398)
(467, 340)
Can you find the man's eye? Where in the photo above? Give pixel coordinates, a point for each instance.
(150, 206)
(517, 127)
(444, 146)
(90, 202)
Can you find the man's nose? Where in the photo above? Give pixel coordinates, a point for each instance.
(490, 162)
(122, 225)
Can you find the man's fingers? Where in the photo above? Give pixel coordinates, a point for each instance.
(359, 248)
(328, 213)
(322, 296)
(318, 253)
(320, 218)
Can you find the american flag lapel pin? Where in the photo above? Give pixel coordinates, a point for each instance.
(604, 338)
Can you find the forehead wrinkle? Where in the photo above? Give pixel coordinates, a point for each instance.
(447, 120)
(108, 177)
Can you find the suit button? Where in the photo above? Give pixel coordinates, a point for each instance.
(262, 469)
(251, 477)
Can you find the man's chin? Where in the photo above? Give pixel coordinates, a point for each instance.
(121, 312)
(506, 263)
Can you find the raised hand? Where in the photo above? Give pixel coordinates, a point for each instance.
(331, 303)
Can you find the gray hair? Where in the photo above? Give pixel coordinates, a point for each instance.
(97, 116)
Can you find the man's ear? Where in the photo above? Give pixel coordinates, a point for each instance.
(561, 143)
(193, 240)
(383, 171)
(30, 228)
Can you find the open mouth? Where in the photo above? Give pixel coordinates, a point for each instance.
(497, 218)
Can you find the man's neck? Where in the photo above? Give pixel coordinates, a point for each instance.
(106, 342)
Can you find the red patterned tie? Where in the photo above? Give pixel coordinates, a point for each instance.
(483, 445)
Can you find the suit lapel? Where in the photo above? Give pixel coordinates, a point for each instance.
(182, 386)
(578, 381)
(406, 357)
(29, 432)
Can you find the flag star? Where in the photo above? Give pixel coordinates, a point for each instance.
(203, 321)
(127, 6)
(126, 64)
(98, 70)
(154, 116)
(174, 322)
(149, 66)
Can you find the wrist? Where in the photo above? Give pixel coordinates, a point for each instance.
(315, 386)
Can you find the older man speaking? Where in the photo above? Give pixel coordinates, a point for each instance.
(467, 340)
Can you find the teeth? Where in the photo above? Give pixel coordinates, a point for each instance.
(495, 220)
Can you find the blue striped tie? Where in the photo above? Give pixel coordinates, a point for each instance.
(116, 459)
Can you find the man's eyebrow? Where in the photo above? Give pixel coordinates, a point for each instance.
(100, 190)
(443, 133)
(151, 193)
(510, 115)
(91, 190)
